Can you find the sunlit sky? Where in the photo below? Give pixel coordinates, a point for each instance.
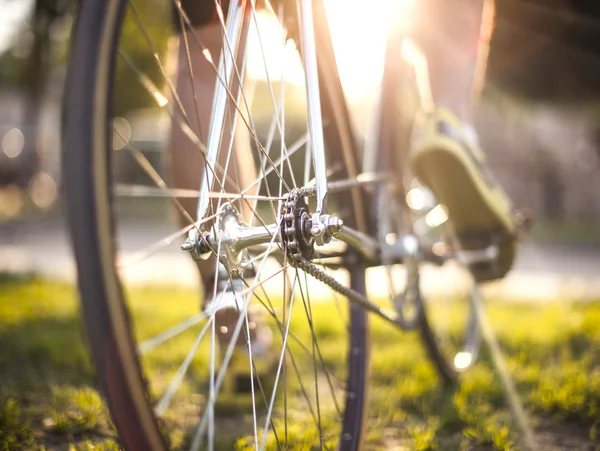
(13, 13)
(358, 33)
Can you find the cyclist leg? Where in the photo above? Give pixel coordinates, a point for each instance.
(195, 89)
(454, 36)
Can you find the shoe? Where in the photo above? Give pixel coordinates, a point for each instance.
(450, 163)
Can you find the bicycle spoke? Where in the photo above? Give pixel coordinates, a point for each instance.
(308, 313)
(283, 316)
(153, 174)
(279, 366)
(290, 334)
(149, 251)
(303, 140)
(156, 56)
(280, 119)
(149, 191)
(252, 370)
(163, 103)
(323, 366)
(191, 75)
(250, 174)
(164, 402)
(154, 342)
(249, 122)
(226, 359)
(270, 309)
(264, 170)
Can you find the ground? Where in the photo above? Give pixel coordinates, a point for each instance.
(49, 398)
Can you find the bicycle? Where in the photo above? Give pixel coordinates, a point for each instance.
(298, 225)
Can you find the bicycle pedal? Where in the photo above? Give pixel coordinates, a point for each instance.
(475, 256)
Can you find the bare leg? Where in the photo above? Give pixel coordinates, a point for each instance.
(195, 89)
(454, 36)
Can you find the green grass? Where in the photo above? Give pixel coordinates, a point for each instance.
(49, 398)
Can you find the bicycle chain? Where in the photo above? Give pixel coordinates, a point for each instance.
(298, 260)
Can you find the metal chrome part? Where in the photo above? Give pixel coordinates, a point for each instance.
(197, 245)
(310, 268)
(395, 250)
(408, 304)
(325, 227)
(231, 237)
(232, 51)
(367, 246)
(313, 101)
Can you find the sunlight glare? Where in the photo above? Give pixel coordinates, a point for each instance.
(437, 216)
(160, 99)
(415, 199)
(279, 58)
(207, 55)
(414, 56)
(220, 12)
(462, 360)
(390, 238)
(358, 36)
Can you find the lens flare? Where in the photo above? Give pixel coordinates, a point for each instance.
(13, 143)
(43, 190)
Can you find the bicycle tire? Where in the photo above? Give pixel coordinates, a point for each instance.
(398, 110)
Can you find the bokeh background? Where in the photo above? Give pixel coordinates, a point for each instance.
(538, 119)
(539, 123)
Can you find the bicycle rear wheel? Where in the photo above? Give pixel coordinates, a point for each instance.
(156, 351)
(434, 298)
(448, 292)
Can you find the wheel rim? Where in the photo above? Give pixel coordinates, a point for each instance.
(120, 326)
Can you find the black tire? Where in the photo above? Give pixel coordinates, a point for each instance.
(444, 361)
(87, 181)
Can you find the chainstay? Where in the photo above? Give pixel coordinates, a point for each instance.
(299, 261)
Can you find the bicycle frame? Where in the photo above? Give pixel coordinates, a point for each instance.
(233, 237)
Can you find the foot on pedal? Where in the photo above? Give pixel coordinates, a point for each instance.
(453, 167)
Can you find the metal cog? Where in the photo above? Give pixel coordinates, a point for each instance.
(295, 225)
